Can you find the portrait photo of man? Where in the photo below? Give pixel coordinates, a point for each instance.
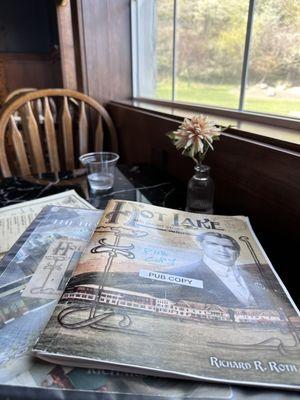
(223, 281)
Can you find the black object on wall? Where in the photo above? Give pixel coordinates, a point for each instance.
(28, 26)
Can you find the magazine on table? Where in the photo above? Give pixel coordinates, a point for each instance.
(33, 275)
(175, 294)
(26, 306)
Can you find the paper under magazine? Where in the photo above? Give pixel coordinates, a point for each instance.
(176, 294)
(33, 275)
(14, 219)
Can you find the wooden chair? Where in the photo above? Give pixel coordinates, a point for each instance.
(17, 93)
(36, 105)
(37, 145)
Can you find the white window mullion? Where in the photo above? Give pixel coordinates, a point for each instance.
(246, 53)
(174, 51)
(135, 48)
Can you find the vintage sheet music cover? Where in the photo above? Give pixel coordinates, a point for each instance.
(176, 294)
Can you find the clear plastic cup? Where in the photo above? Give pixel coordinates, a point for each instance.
(101, 169)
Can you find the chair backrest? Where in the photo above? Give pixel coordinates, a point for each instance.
(42, 141)
(36, 105)
(17, 93)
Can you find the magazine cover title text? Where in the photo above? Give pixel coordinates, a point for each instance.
(126, 213)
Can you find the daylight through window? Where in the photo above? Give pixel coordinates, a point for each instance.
(241, 55)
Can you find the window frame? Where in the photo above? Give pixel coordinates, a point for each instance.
(239, 113)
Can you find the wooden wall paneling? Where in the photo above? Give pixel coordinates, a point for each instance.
(3, 90)
(79, 45)
(66, 44)
(18, 70)
(120, 48)
(252, 179)
(142, 139)
(105, 51)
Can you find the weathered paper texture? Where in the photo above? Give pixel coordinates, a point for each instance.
(172, 293)
(16, 218)
(32, 276)
(46, 282)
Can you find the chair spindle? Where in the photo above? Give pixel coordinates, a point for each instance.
(99, 135)
(35, 140)
(51, 137)
(68, 135)
(19, 147)
(83, 130)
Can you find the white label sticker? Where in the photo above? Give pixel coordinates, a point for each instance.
(179, 280)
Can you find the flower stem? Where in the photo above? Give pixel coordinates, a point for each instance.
(202, 156)
(195, 160)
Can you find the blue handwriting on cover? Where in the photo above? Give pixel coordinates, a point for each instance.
(158, 256)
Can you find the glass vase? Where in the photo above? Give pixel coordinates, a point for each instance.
(200, 191)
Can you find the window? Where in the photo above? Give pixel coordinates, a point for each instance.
(240, 55)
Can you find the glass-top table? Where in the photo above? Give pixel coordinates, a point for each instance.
(136, 183)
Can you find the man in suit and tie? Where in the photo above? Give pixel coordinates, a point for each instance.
(224, 282)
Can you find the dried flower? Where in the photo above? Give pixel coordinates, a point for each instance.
(195, 137)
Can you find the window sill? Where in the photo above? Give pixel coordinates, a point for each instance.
(285, 138)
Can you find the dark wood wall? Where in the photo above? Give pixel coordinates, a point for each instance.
(18, 70)
(251, 178)
(104, 38)
(28, 26)
(29, 55)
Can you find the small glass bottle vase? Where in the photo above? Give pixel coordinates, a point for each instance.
(200, 191)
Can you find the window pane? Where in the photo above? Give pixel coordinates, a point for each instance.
(155, 48)
(210, 47)
(164, 48)
(274, 70)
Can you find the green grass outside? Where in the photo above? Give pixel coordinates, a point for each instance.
(227, 96)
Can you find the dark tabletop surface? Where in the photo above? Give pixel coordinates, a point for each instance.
(137, 183)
